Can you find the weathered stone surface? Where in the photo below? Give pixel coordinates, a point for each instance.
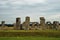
(3, 23)
(48, 25)
(23, 26)
(34, 25)
(55, 25)
(42, 22)
(27, 23)
(18, 23)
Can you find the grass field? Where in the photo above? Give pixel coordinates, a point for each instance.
(29, 30)
(29, 35)
(19, 33)
(29, 38)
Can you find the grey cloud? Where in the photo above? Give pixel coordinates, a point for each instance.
(10, 10)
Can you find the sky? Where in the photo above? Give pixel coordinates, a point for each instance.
(11, 9)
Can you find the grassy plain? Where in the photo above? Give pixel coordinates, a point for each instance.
(29, 38)
(30, 34)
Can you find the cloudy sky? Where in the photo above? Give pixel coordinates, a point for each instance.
(10, 9)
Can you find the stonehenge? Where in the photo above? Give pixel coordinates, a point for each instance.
(27, 25)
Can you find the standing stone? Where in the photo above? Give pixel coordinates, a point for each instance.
(42, 22)
(3, 23)
(48, 25)
(23, 26)
(18, 23)
(55, 25)
(33, 25)
(59, 27)
(27, 23)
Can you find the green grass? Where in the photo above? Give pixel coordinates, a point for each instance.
(29, 38)
(43, 34)
(29, 31)
(19, 33)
